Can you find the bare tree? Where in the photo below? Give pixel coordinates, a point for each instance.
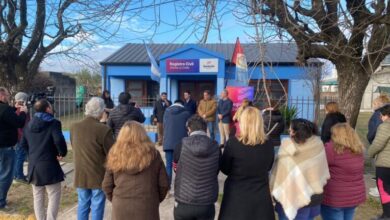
(31, 30)
(353, 34)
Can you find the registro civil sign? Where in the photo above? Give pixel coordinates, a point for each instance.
(192, 65)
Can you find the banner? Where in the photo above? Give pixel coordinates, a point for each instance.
(238, 93)
(204, 65)
(182, 65)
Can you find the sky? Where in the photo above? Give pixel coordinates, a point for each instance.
(181, 22)
(178, 21)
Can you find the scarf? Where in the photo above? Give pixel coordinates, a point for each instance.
(300, 171)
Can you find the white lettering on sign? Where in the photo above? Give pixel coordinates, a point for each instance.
(208, 65)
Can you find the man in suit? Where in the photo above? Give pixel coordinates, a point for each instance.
(158, 112)
(189, 103)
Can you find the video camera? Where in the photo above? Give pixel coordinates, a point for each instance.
(48, 95)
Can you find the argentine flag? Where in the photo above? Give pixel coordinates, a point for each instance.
(155, 71)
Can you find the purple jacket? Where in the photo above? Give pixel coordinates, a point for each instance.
(346, 185)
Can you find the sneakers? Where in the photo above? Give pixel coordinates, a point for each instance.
(21, 180)
(374, 192)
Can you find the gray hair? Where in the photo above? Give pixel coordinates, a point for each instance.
(95, 107)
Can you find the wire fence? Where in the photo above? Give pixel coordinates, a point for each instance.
(70, 109)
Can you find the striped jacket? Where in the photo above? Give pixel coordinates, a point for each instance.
(380, 148)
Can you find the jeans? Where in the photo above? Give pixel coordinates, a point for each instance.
(54, 195)
(333, 213)
(168, 165)
(308, 213)
(193, 212)
(20, 157)
(7, 160)
(92, 200)
(211, 129)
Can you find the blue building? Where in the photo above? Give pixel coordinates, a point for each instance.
(204, 66)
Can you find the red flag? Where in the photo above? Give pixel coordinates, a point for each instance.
(237, 50)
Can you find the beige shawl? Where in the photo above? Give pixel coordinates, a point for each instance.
(299, 172)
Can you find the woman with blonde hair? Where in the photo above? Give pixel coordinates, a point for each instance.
(333, 116)
(236, 118)
(345, 189)
(375, 119)
(246, 161)
(135, 180)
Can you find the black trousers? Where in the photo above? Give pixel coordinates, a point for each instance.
(383, 184)
(193, 212)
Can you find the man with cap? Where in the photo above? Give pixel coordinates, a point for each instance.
(20, 153)
(9, 124)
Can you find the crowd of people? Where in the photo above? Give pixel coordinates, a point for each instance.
(313, 173)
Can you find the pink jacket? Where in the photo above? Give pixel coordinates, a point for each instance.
(346, 186)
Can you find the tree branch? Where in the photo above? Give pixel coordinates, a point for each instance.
(38, 32)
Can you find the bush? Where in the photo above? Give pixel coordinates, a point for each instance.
(289, 113)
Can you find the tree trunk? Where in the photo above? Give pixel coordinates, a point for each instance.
(353, 80)
(14, 76)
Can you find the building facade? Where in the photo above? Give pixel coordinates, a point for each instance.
(196, 68)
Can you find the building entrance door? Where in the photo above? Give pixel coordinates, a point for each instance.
(196, 88)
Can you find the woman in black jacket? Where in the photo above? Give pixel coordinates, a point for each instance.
(247, 160)
(333, 116)
(45, 143)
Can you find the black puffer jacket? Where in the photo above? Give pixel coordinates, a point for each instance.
(330, 120)
(198, 160)
(274, 118)
(123, 113)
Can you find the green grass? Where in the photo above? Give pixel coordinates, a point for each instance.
(20, 198)
(69, 119)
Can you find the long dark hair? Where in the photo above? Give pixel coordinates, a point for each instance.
(303, 129)
(104, 96)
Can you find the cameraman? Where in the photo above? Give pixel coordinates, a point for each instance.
(9, 124)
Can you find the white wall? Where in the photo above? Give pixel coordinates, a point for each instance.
(117, 86)
(302, 97)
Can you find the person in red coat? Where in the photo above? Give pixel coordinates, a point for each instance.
(345, 190)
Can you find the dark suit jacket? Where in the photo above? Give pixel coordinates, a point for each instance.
(159, 110)
(190, 106)
(44, 141)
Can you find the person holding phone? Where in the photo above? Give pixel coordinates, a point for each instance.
(20, 154)
(9, 124)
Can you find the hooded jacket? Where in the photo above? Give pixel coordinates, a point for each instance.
(330, 120)
(122, 113)
(175, 119)
(198, 159)
(43, 139)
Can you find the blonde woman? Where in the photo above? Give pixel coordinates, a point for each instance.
(345, 189)
(375, 119)
(135, 180)
(246, 161)
(236, 118)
